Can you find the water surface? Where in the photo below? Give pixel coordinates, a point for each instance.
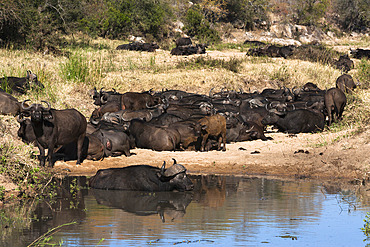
(221, 211)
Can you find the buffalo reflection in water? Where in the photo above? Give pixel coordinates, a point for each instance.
(173, 204)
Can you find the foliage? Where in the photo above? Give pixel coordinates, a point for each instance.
(38, 24)
(363, 73)
(119, 19)
(309, 12)
(44, 239)
(76, 68)
(197, 25)
(2, 192)
(250, 13)
(366, 228)
(353, 15)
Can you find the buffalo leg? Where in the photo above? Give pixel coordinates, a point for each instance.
(50, 153)
(223, 136)
(42, 154)
(219, 143)
(80, 143)
(330, 115)
(203, 144)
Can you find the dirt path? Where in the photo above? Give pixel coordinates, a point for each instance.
(301, 156)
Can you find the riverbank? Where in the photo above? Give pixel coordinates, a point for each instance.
(323, 156)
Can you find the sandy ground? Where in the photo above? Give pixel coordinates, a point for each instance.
(323, 156)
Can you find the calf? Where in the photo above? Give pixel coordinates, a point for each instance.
(98, 113)
(215, 126)
(92, 149)
(56, 127)
(335, 101)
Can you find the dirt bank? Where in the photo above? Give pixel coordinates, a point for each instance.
(315, 156)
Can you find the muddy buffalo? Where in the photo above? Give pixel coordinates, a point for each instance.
(143, 178)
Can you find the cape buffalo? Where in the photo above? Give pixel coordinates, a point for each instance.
(335, 101)
(143, 178)
(296, 121)
(154, 137)
(56, 127)
(19, 85)
(345, 83)
(215, 126)
(9, 104)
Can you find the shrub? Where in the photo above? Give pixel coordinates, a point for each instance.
(196, 25)
(309, 12)
(353, 15)
(251, 14)
(119, 19)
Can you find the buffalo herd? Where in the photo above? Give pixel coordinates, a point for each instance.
(174, 120)
(169, 120)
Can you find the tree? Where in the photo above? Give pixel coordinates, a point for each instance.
(353, 15)
(309, 12)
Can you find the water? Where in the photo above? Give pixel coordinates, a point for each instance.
(221, 211)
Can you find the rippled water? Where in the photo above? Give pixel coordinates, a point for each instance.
(221, 211)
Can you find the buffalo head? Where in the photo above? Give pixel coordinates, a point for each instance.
(31, 78)
(176, 175)
(37, 112)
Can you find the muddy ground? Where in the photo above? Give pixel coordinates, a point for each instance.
(324, 156)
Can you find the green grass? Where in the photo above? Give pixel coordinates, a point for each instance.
(233, 64)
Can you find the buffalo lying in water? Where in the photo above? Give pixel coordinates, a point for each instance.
(143, 178)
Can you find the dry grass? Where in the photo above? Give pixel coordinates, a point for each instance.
(103, 66)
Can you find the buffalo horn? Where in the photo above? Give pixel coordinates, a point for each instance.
(163, 167)
(102, 100)
(210, 93)
(49, 106)
(25, 108)
(20, 118)
(173, 170)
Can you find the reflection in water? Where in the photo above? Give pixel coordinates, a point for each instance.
(223, 211)
(172, 204)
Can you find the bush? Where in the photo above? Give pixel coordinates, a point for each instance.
(119, 19)
(251, 14)
(353, 15)
(197, 26)
(309, 12)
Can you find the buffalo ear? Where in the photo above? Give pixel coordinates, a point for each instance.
(47, 116)
(108, 144)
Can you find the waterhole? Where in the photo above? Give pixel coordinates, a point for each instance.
(221, 211)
